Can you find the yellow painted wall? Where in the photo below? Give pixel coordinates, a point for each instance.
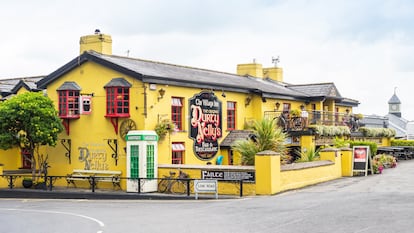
(252, 69)
(237, 158)
(307, 142)
(162, 109)
(21, 90)
(292, 179)
(267, 165)
(346, 161)
(11, 159)
(275, 73)
(100, 43)
(272, 178)
(224, 187)
(333, 155)
(386, 141)
(92, 131)
(299, 178)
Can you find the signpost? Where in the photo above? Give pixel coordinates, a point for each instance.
(205, 186)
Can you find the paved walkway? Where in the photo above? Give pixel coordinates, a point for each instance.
(383, 183)
(75, 193)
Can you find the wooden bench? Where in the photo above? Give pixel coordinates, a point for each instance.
(96, 176)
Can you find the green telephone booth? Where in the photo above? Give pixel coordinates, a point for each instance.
(142, 160)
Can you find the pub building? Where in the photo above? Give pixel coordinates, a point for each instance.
(108, 102)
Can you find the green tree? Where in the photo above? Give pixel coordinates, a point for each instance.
(265, 136)
(28, 121)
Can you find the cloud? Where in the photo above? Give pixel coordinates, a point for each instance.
(365, 47)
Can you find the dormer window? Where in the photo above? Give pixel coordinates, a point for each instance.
(68, 95)
(117, 98)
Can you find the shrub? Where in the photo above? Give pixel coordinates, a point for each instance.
(377, 132)
(266, 136)
(308, 155)
(399, 142)
(372, 145)
(331, 131)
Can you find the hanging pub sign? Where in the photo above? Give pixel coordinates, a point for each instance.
(205, 124)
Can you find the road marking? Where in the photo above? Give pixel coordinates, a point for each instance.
(100, 223)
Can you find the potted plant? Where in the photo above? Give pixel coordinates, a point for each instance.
(40, 184)
(27, 182)
(164, 127)
(380, 168)
(295, 113)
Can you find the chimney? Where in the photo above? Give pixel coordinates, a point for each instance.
(253, 69)
(274, 73)
(97, 42)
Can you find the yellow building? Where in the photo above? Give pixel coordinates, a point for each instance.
(101, 97)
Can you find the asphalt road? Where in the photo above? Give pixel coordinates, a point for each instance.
(378, 203)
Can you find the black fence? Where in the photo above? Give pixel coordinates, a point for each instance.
(182, 186)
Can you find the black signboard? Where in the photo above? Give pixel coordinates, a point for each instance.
(205, 124)
(361, 159)
(228, 175)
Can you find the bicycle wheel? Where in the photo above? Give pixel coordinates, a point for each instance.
(162, 186)
(178, 187)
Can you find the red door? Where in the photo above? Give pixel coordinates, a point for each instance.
(26, 159)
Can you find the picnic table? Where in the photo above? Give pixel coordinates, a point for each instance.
(399, 152)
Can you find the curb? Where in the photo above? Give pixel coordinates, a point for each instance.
(44, 194)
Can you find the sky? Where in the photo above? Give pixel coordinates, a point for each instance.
(365, 47)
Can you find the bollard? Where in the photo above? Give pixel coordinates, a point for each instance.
(50, 182)
(93, 183)
(241, 188)
(139, 185)
(11, 182)
(188, 187)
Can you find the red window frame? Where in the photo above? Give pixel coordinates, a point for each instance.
(230, 157)
(26, 159)
(177, 156)
(68, 103)
(231, 115)
(177, 112)
(117, 101)
(286, 107)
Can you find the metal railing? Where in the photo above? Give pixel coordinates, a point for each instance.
(93, 182)
(297, 123)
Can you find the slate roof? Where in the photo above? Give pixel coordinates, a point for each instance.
(118, 82)
(318, 90)
(69, 85)
(170, 74)
(12, 85)
(164, 73)
(348, 102)
(394, 100)
(374, 121)
(233, 136)
(399, 124)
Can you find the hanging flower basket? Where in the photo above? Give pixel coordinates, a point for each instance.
(164, 127)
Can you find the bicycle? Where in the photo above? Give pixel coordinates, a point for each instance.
(172, 184)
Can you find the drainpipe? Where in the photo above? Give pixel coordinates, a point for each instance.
(145, 100)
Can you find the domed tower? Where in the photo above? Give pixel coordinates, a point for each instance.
(394, 105)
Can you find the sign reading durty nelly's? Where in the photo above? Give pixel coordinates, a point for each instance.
(205, 124)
